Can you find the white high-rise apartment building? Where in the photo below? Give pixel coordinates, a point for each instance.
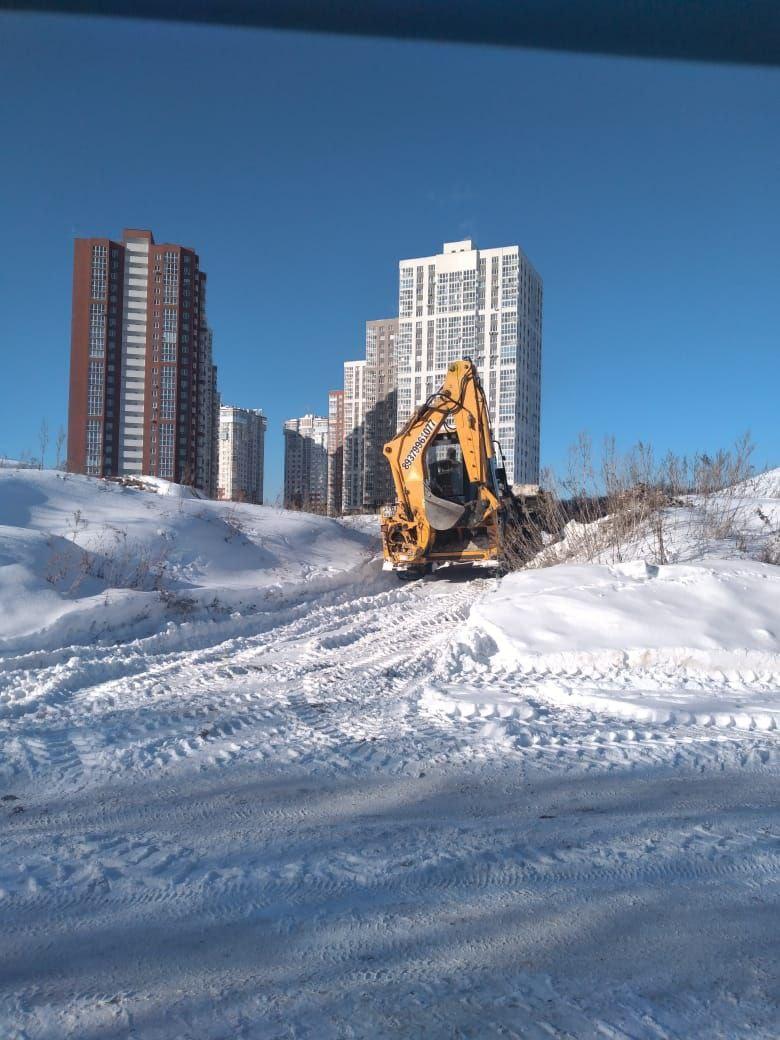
(356, 398)
(134, 336)
(241, 451)
(484, 304)
(306, 463)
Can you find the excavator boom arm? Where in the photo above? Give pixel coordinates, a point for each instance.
(461, 397)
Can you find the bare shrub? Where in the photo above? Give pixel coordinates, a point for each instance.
(528, 528)
(77, 524)
(626, 505)
(43, 440)
(59, 444)
(111, 557)
(124, 564)
(770, 552)
(178, 603)
(57, 566)
(279, 505)
(133, 567)
(305, 504)
(716, 481)
(597, 511)
(235, 524)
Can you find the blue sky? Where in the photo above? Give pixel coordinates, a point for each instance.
(303, 168)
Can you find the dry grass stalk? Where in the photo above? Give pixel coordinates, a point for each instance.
(622, 506)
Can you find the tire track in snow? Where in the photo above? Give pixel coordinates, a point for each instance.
(140, 714)
(431, 861)
(340, 686)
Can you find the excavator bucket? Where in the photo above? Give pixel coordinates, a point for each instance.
(442, 514)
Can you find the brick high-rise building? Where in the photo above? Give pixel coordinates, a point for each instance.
(241, 454)
(143, 396)
(335, 450)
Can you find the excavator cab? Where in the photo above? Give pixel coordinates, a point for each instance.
(448, 489)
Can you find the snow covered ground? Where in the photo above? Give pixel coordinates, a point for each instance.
(83, 559)
(257, 788)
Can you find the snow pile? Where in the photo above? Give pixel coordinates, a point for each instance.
(160, 487)
(365, 522)
(712, 601)
(635, 612)
(685, 643)
(84, 559)
(6, 463)
(765, 485)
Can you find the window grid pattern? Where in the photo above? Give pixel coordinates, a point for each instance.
(168, 392)
(166, 451)
(97, 330)
(171, 277)
(94, 446)
(406, 292)
(509, 280)
(170, 319)
(95, 384)
(99, 272)
(449, 291)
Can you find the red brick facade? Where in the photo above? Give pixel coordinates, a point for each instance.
(168, 386)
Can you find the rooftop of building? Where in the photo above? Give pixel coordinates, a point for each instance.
(135, 235)
(450, 250)
(238, 408)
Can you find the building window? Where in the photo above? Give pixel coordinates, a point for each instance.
(94, 447)
(170, 325)
(97, 333)
(171, 277)
(99, 271)
(95, 388)
(168, 392)
(166, 451)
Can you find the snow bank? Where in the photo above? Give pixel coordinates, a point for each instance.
(6, 463)
(695, 641)
(635, 608)
(167, 487)
(765, 485)
(694, 644)
(84, 559)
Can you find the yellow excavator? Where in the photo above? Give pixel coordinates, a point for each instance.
(453, 503)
